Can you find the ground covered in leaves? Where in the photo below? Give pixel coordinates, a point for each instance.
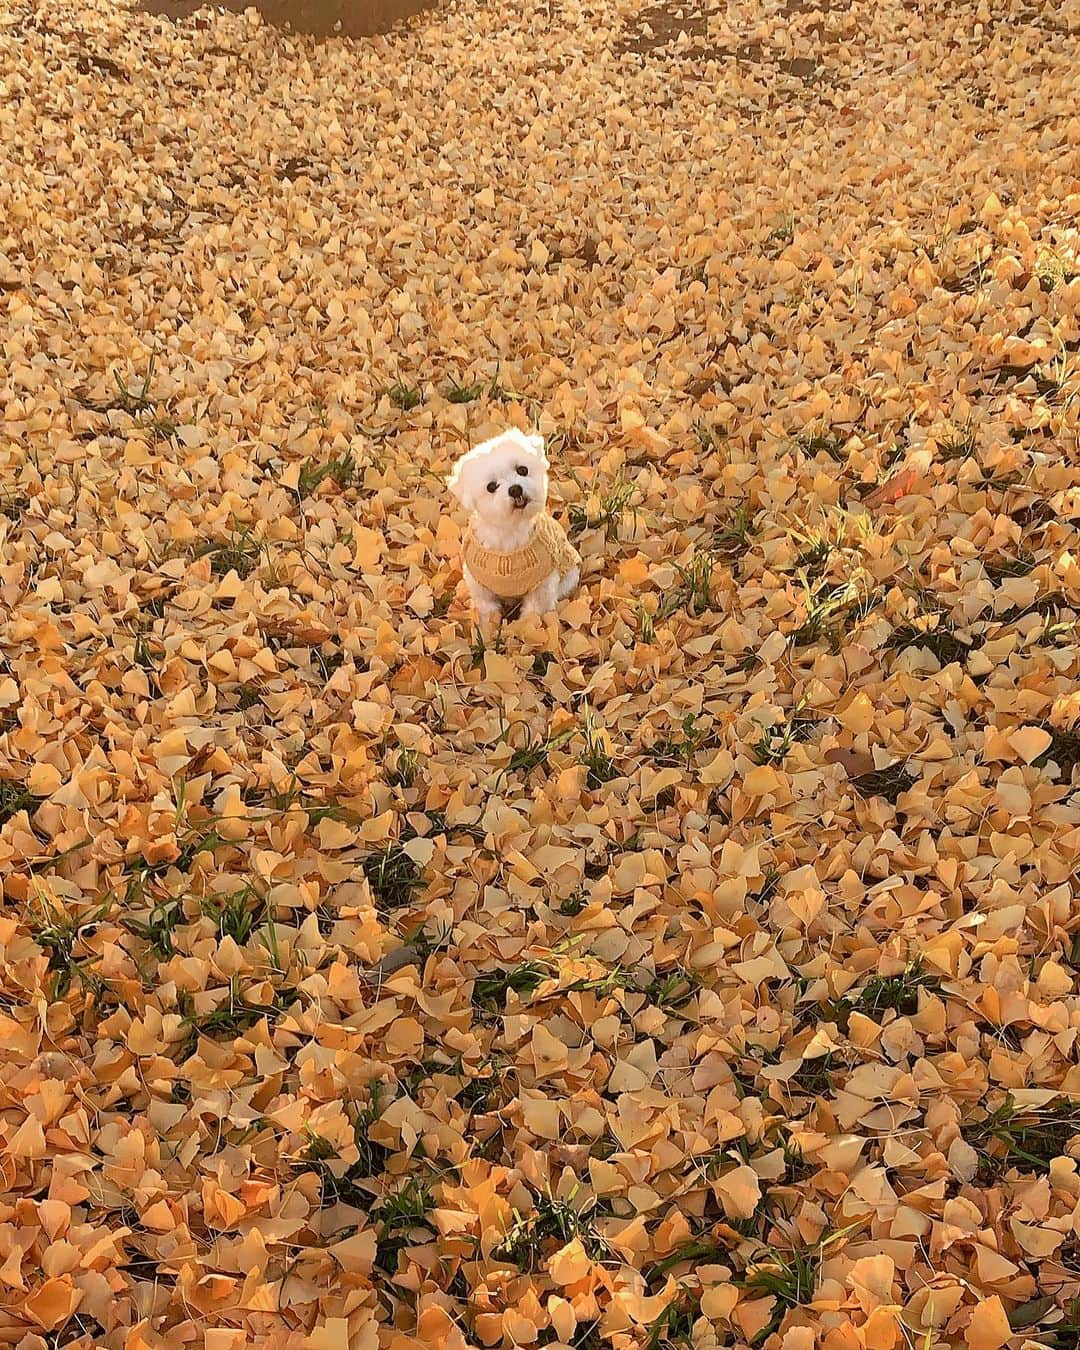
(699, 969)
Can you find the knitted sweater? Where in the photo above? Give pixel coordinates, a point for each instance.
(512, 575)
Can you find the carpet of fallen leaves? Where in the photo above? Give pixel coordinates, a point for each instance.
(697, 969)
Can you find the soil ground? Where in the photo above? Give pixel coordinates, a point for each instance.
(353, 18)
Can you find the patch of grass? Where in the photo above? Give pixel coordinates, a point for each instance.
(138, 402)
(599, 864)
(463, 393)
(59, 933)
(889, 459)
(343, 471)
(814, 558)
(398, 1216)
(81, 1329)
(830, 607)
(735, 536)
(813, 1077)
(774, 743)
(157, 928)
(139, 868)
(342, 1183)
(297, 166)
(393, 876)
(1055, 635)
(572, 906)
(234, 1016)
(535, 751)
(594, 753)
(889, 782)
(701, 1251)
(319, 1149)
(248, 696)
(695, 585)
(478, 1094)
(147, 654)
(1000, 482)
(425, 942)
(240, 554)
(960, 445)
(615, 978)
(404, 770)
(966, 283)
(587, 1337)
(783, 232)
(553, 1223)
(320, 811)
(236, 914)
(709, 438)
(825, 442)
(230, 1018)
(681, 750)
(670, 991)
(1063, 1335)
(527, 757)
(330, 658)
(13, 504)
(790, 1277)
(899, 992)
(603, 510)
(1052, 378)
(770, 884)
(541, 662)
(16, 797)
(1050, 270)
(194, 844)
(491, 988)
(405, 397)
(675, 1325)
(497, 392)
(1003, 566)
(479, 648)
(796, 1167)
(1046, 605)
(1027, 1138)
(935, 633)
(646, 626)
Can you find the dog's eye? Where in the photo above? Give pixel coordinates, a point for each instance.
(492, 487)
(523, 471)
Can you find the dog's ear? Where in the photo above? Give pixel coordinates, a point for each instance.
(458, 482)
(536, 445)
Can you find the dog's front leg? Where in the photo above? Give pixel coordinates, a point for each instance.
(541, 600)
(487, 606)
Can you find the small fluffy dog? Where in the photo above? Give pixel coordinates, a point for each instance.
(513, 550)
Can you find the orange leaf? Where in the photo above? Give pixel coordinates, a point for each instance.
(989, 1326)
(893, 489)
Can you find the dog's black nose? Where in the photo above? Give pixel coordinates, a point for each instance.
(516, 491)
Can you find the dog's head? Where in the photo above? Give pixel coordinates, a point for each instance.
(504, 480)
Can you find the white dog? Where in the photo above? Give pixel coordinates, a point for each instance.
(513, 550)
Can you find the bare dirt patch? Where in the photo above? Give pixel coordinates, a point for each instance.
(662, 24)
(656, 30)
(321, 18)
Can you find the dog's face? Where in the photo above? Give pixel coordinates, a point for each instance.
(504, 480)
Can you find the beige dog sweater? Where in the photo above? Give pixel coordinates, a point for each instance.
(512, 575)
